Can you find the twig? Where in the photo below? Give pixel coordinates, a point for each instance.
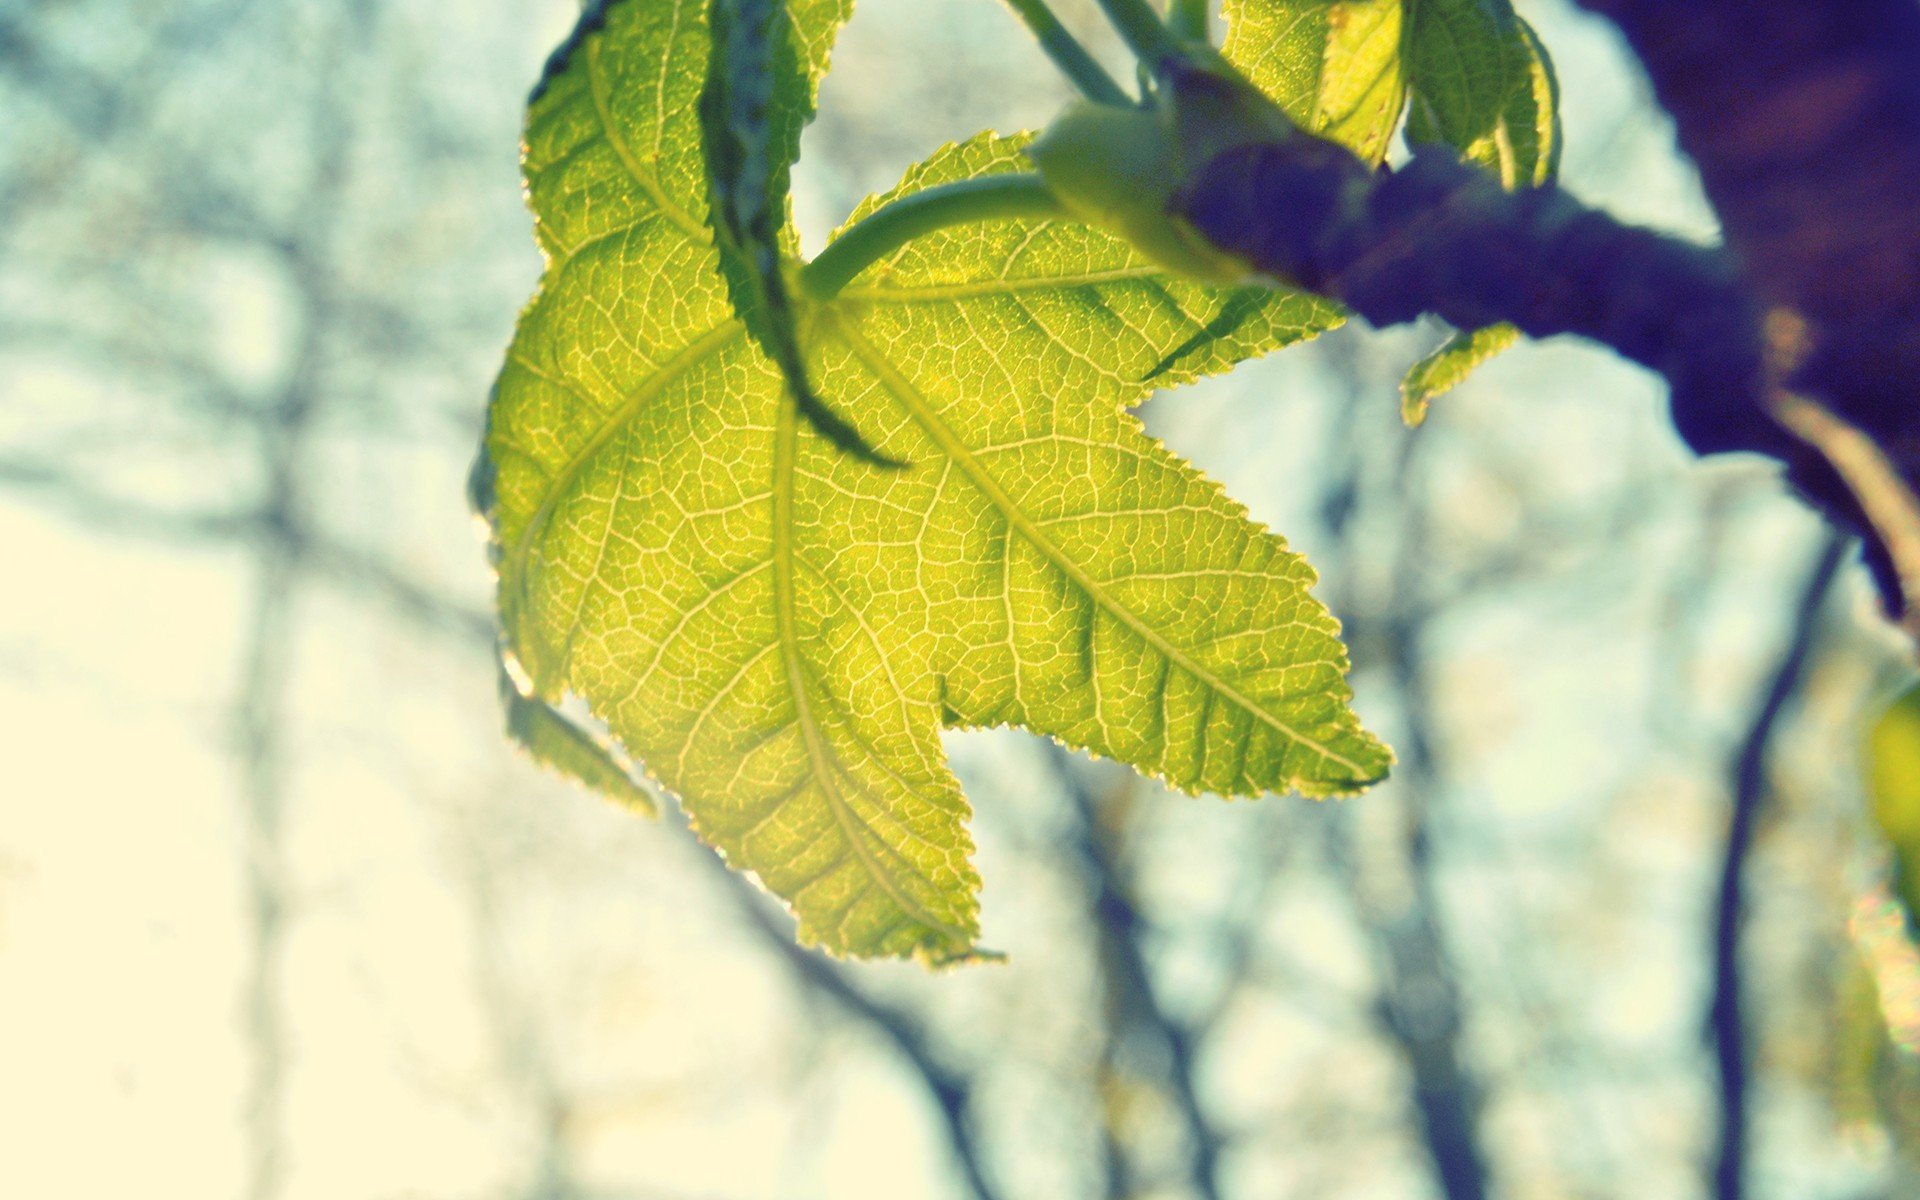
(951, 1091)
(1419, 1002)
(1725, 1015)
(1121, 931)
(1890, 505)
(1067, 53)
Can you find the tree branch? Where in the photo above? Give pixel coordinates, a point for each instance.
(951, 1092)
(1804, 120)
(1750, 788)
(1439, 236)
(1130, 980)
(1419, 1001)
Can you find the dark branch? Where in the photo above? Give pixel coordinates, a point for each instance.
(951, 1091)
(1134, 1000)
(1804, 120)
(1749, 791)
(1439, 236)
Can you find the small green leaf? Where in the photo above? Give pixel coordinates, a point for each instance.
(561, 746)
(1440, 371)
(1482, 84)
(779, 631)
(758, 95)
(1225, 323)
(1463, 65)
(1335, 66)
(1893, 784)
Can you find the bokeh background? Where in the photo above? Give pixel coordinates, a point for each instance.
(282, 916)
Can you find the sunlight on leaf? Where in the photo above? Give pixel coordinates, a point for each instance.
(1442, 370)
(1334, 65)
(1336, 69)
(1482, 83)
(778, 631)
(759, 93)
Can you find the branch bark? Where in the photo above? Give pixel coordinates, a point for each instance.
(1805, 122)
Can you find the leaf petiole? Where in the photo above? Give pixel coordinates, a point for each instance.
(894, 224)
(1188, 19)
(1068, 54)
(1144, 32)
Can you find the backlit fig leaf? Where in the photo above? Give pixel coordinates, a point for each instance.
(1465, 60)
(1483, 84)
(554, 741)
(777, 630)
(1443, 370)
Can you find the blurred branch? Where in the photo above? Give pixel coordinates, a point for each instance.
(525, 1058)
(369, 576)
(1246, 959)
(142, 359)
(1420, 1002)
(97, 106)
(259, 718)
(1725, 1016)
(376, 577)
(100, 509)
(951, 1091)
(1394, 895)
(1133, 1002)
(266, 671)
(1392, 891)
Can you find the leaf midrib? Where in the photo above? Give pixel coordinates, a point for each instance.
(917, 407)
(649, 181)
(785, 447)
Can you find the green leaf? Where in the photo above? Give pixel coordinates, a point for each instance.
(1231, 318)
(559, 745)
(1893, 784)
(1335, 66)
(758, 94)
(1457, 357)
(1462, 67)
(779, 631)
(1482, 84)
